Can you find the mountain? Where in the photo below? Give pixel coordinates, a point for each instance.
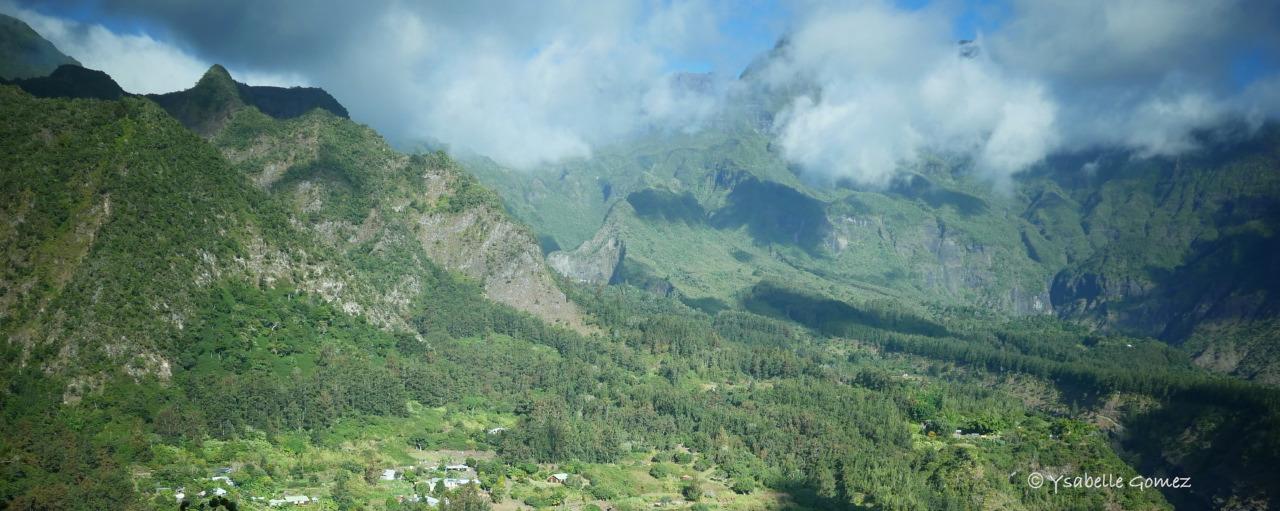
(216, 97)
(1179, 251)
(140, 255)
(24, 54)
(350, 188)
(72, 81)
(170, 292)
(715, 212)
(224, 285)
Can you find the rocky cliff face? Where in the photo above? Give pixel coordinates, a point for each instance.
(372, 196)
(596, 261)
(483, 243)
(1098, 296)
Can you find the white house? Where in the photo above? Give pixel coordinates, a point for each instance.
(462, 468)
(389, 474)
(224, 479)
(218, 492)
(297, 500)
(450, 483)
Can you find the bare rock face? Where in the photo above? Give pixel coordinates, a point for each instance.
(596, 261)
(409, 201)
(485, 245)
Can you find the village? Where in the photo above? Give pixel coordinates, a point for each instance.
(658, 481)
(430, 457)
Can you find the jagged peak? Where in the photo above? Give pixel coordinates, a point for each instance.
(205, 107)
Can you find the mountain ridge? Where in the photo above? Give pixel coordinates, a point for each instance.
(24, 53)
(209, 104)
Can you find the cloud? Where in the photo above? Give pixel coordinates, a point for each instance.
(139, 63)
(892, 84)
(1094, 42)
(526, 83)
(1145, 74)
(866, 86)
(889, 84)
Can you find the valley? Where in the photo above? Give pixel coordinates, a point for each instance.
(235, 296)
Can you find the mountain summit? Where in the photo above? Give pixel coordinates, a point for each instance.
(205, 107)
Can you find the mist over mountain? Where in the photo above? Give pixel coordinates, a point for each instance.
(565, 80)
(29, 54)
(637, 255)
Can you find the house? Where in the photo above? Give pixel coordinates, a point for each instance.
(389, 474)
(218, 492)
(459, 468)
(450, 483)
(559, 478)
(297, 500)
(224, 479)
(180, 494)
(496, 430)
(432, 501)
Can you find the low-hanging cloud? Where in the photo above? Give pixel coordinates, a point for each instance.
(891, 85)
(525, 83)
(532, 83)
(138, 62)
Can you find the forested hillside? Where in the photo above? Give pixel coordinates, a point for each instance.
(1177, 249)
(237, 297)
(182, 306)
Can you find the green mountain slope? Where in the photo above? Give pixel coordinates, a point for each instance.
(343, 183)
(210, 103)
(199, 287)
(168, 310)
(72, 81)
(1167, 248)
(24, 54)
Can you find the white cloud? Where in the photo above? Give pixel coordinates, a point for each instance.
(531, 83)
(893, 84)
(139, 63)
(1057, 75)
(1102, 40)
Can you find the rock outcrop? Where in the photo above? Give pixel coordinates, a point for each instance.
(595, 261)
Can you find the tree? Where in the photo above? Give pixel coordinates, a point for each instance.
(467, 498)
(692, 490)
(498, 492)
(341, 492)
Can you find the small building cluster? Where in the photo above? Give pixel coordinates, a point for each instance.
(415, 498)
(296, 500)
(451, 482)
